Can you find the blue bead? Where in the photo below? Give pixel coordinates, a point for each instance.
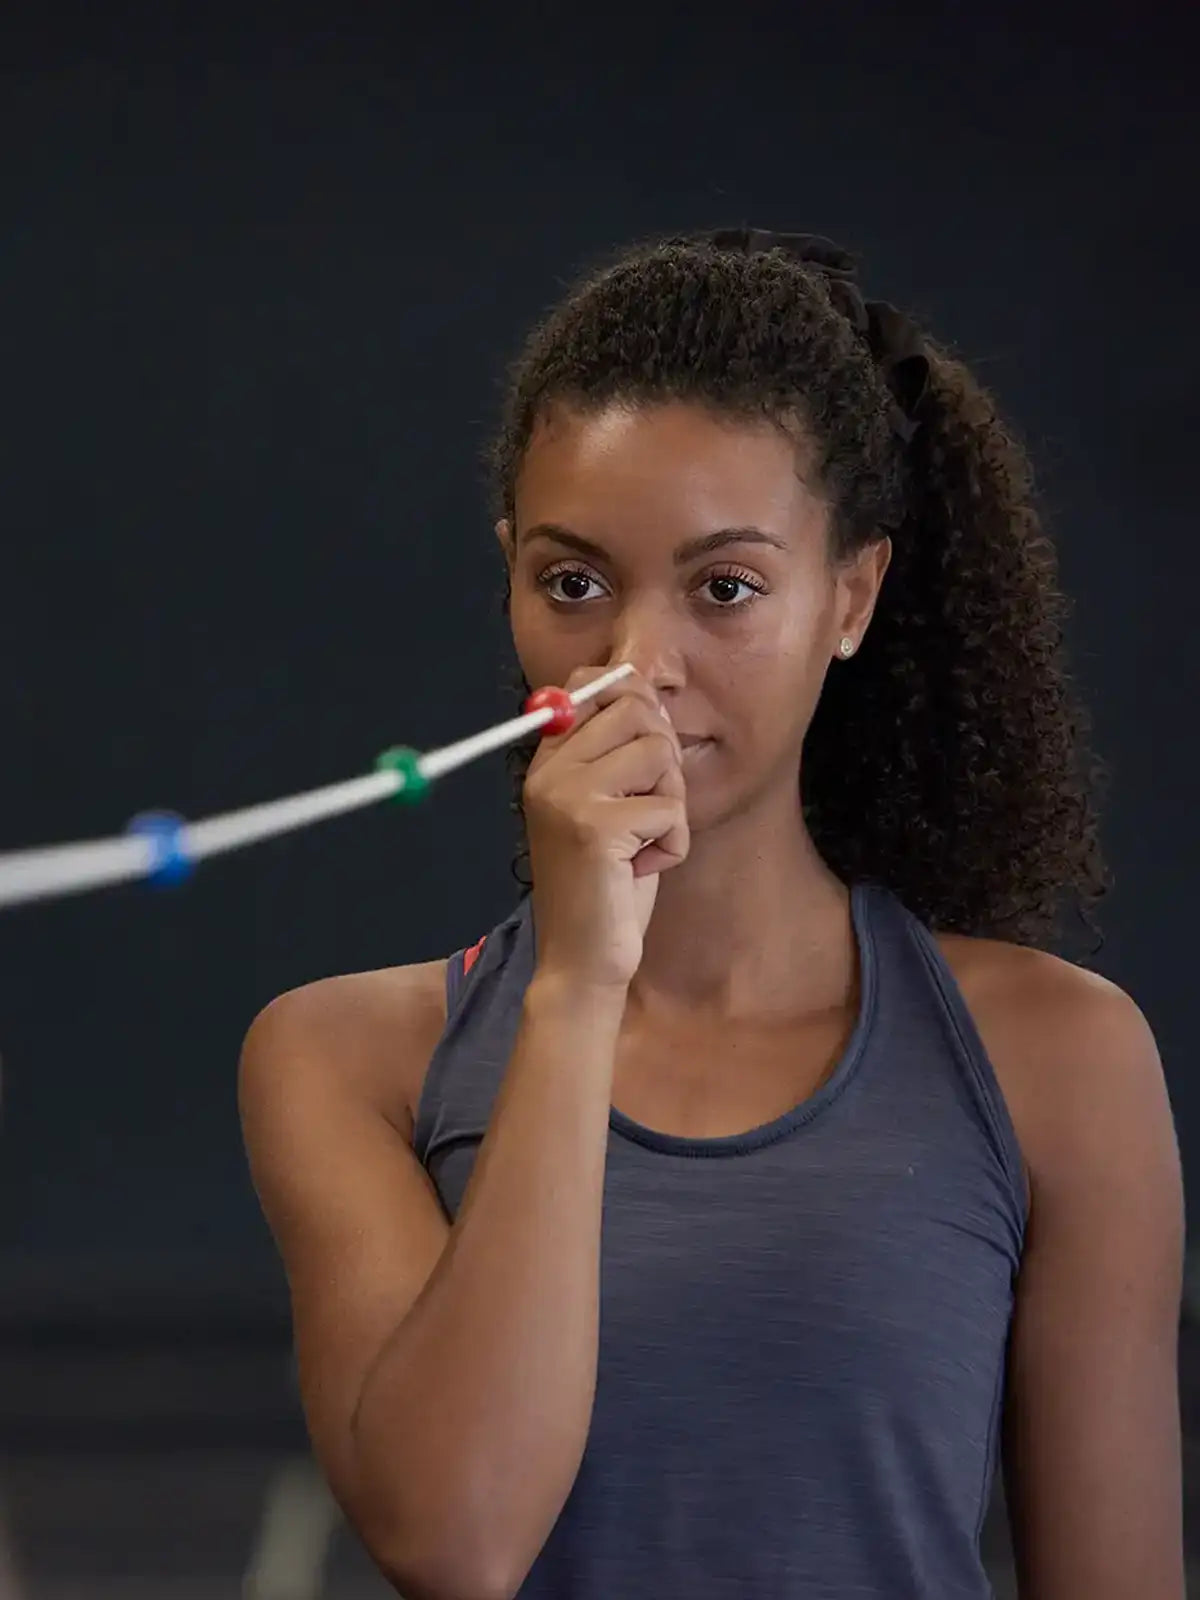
(170, 862)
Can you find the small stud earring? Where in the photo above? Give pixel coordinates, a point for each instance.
(846, 647)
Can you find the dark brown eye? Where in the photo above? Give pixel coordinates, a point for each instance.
(724, 590)
(731, 591)
(567, 586)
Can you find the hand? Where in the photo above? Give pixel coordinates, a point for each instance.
(605, 813)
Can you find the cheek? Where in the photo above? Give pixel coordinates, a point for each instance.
(769, 681)
(782, 641)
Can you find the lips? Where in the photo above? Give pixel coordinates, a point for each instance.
(688, 740)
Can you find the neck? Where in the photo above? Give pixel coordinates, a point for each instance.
(753, 923)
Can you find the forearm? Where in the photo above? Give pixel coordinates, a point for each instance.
(472, 1422)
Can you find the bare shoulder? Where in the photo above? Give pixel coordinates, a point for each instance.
(325, 1095)
(375, 1030)
(995, 976)
(1073, 1054)
(1091, 1416)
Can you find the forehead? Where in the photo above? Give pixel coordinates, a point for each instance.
(675, 466)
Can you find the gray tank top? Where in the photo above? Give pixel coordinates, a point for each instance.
(803, 1327)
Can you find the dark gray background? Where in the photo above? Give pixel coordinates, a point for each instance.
(257, 287)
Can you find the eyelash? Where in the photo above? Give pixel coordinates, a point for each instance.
(563, 568)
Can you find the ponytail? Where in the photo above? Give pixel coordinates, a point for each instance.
(948, 759)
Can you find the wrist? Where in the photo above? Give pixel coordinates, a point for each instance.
(553, 993)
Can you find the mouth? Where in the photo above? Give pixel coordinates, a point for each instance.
(692, 743)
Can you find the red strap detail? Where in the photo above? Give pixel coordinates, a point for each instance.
(473, 954)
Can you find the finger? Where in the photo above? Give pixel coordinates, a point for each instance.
(645, 775)
(584, 710)
(632, 683)
(673, 846)
(647, 820)
(631, 687)
(646, 764)
(625, 696)
(657, 857)
(629, 718)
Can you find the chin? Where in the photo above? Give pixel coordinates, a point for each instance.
(708, 797)
(717, 793)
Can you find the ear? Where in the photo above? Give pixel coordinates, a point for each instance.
(858, 583)
(504, 533)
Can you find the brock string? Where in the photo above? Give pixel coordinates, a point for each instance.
(165, 848)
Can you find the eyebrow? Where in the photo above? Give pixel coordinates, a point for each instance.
(704, 545)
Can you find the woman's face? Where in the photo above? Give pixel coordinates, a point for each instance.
(688, 545)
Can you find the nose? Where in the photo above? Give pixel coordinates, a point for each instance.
(647, 636)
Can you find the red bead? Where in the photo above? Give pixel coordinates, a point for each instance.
(558, 701)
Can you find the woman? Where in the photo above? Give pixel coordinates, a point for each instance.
(883, 1184)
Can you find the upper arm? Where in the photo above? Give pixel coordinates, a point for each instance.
(1092, 1441)
(356, 1219)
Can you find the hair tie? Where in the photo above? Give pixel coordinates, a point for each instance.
(895, 342)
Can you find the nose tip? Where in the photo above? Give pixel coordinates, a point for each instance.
(646, 636)
(661, 677)
(660, 667)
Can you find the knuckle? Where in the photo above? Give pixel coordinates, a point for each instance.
(564, 812)
(664, 744)
(585, 828)
(643, 712)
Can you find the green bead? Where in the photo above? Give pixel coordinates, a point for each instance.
(414, 785)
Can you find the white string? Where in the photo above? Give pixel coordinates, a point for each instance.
(90, 864)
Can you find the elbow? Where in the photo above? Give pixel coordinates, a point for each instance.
(416, 1581)
(445, 1541)
(448, 1571)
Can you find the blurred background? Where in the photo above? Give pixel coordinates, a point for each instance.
(258, 284)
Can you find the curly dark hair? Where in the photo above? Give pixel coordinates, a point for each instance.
(948, 760)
